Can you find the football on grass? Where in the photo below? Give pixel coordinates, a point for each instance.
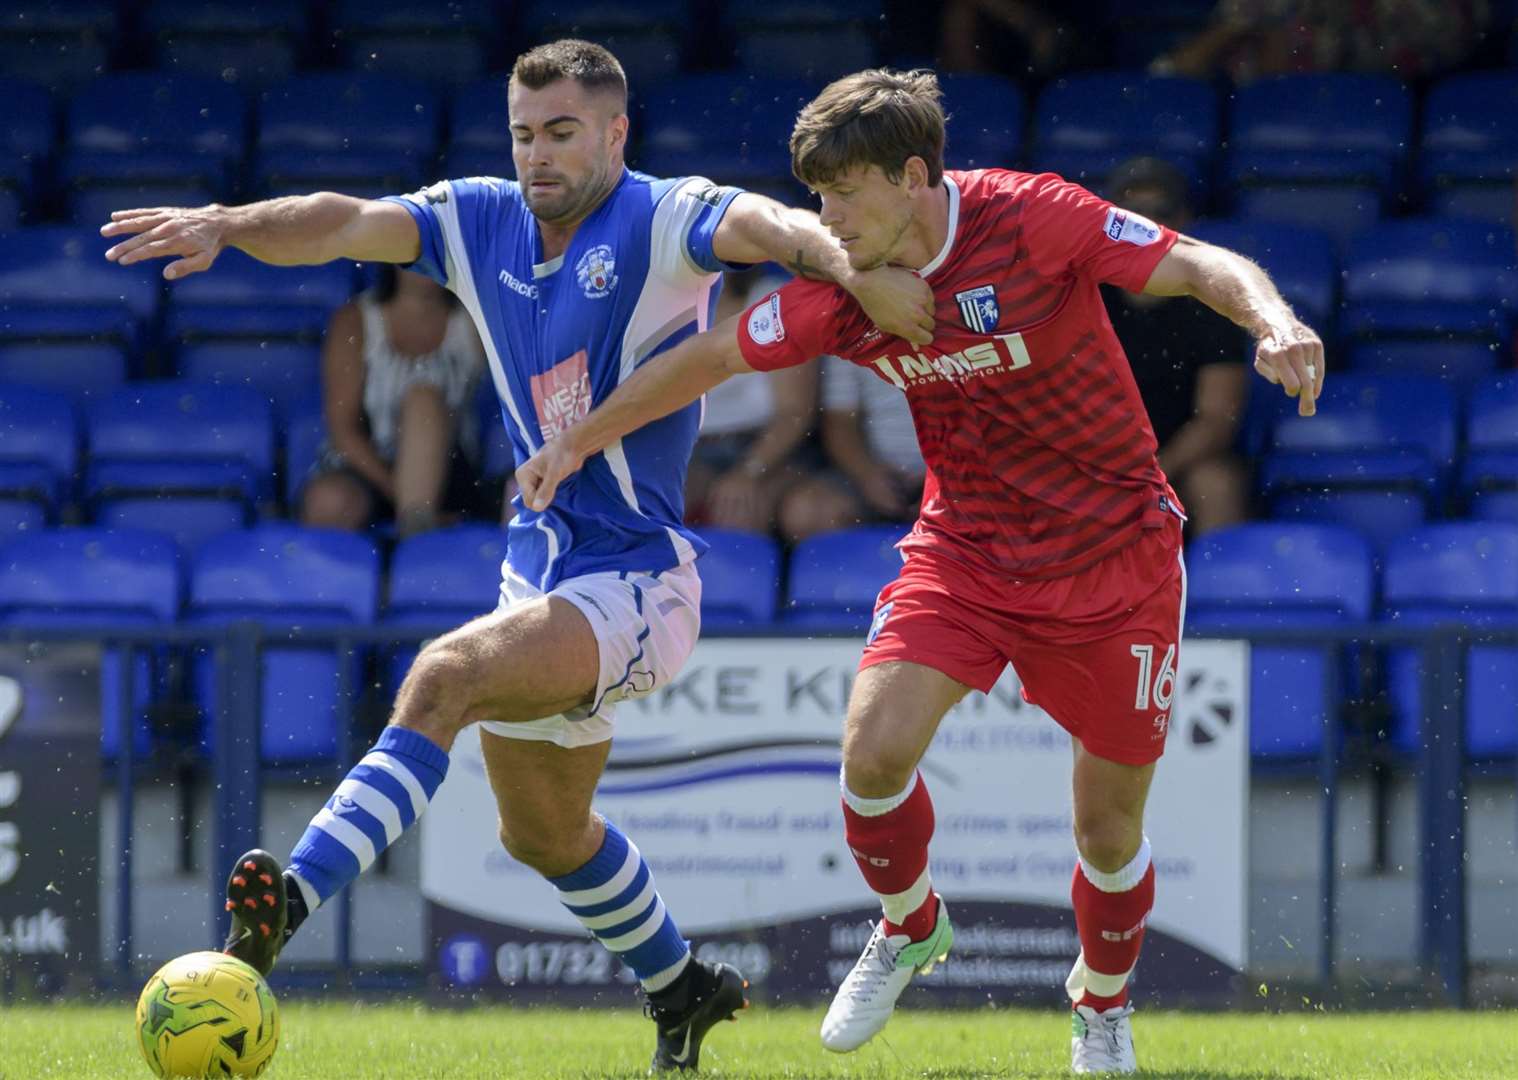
(207, 1014)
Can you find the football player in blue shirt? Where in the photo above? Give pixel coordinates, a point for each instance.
(575, 273)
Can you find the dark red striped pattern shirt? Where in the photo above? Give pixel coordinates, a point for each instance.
(1040, 455)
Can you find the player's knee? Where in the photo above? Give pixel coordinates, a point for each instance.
(434, 692)
(1108, 842)
(541, 848)
(875, 769)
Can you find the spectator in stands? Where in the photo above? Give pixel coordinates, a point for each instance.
(1189, 363)
(1249, 39)
(1023, 39)
(399, 372)
(753, 432)
(875, 469)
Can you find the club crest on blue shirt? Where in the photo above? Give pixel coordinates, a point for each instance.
(597, 271)
(978, 308)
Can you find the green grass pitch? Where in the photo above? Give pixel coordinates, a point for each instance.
(400, 1042)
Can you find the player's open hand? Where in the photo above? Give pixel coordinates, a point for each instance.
(540, 475)
(195, 234)
(1291, 356)
(897, 301)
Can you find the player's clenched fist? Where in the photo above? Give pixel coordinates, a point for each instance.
(1291, 356)
(540, 475)
(196, 235)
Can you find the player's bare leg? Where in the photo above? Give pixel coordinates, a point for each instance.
(894, 710)
(535, 660)
(543, 794)
(1113, 893)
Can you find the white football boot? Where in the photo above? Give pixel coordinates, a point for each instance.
(1102, 1042)
(868, 995)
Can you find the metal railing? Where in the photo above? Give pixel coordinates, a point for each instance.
(237, 650)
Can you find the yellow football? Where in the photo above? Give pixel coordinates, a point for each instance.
(207, 1014)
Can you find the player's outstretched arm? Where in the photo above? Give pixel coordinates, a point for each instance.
(759, 229)
(668, 382)
(299, 230)
(1288, 352)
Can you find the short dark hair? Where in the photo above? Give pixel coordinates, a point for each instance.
(591, 65)
(877, 117)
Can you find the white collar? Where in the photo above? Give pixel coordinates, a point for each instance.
(948, 242)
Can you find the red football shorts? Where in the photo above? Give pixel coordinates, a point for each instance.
(1097, 649)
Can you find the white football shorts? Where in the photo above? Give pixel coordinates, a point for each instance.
(645, 625)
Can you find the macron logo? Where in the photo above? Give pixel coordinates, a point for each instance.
(521, 288)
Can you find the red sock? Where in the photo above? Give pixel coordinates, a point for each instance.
(1111, 928)
(891, 848)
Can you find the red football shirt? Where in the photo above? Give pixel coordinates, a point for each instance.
(1040, 455)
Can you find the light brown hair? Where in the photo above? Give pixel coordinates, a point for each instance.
(591, 65)
(877, 117)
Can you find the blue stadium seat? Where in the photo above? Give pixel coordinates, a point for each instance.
(729, 127)
(479, 119)
(835, 577)
(181, 437)
(1370, 432)
(740, 580)
(1470, 145)
(1088, 124)
(339, 112)
(283, 576)
(646, 37)
(287, 373)
(1342, 211)
(59, 277)
(1281, 576)
(39, 444)
(442, 579)
(986, 115)
(80, 370)
(1324, 128)
(1431, 278)
(57, 45)
(1465, 573)
(96, 577)
(1491, 435)
(187, 519)
(1300, 260)
(1495, 506)
(249, 300)
(441, 42)
(26, 138)
(139, 113)
(807, 39)
(20, 515)
(243, 44)
(1462, 364)
(304, 435)
(1382, 515)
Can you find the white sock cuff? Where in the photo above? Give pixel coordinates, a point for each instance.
(876, 807)
(1120, 880)
(659, 980)
(307, 891)
(897, 906)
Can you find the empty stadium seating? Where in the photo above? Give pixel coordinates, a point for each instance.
(96, 578)
(835, 578)
(39, 445)
(283, 576)
(1274, 575)
(1470, 145)
(740, 581)
(1466, 574)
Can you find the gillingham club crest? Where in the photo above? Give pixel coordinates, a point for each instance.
(978, 308)
(597, 272)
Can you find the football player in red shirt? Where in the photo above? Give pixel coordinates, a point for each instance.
(1048, 537)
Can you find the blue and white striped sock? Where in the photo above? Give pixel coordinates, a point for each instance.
(614, 896)
(377, 801)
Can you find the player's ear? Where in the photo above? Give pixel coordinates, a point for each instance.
(616, 132)
(915, 174)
